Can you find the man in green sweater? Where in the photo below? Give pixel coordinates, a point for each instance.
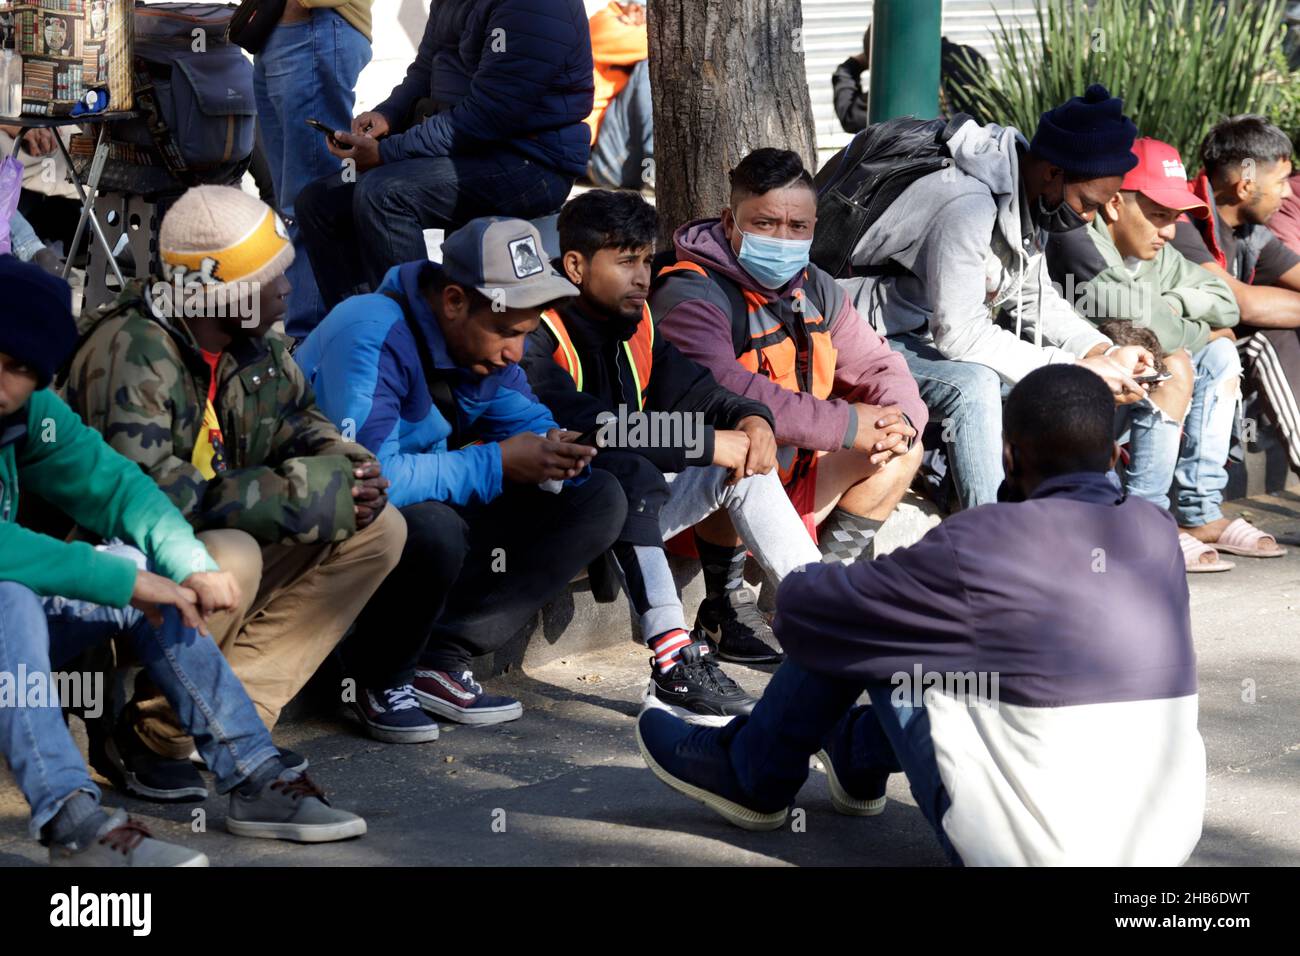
(1124, 267)
(58, 598)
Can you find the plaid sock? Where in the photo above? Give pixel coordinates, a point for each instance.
(844, 536)
(667, 646)
(724, 567)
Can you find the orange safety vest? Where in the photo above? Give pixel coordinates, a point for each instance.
(771, 349)
(639, 350)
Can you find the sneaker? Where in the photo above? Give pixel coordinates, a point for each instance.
(291, 807)
(458, 697)
(122, 841)
(736, 629)
(291, 760)
(696, 689)
(869, 785)
(124, 760)
(395, 717)
(694, 761)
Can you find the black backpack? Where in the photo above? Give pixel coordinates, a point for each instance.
(859, 182)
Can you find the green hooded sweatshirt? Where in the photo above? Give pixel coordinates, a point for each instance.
(48, 446)
(1180, 302)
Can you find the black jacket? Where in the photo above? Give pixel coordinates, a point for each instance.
(677, 384)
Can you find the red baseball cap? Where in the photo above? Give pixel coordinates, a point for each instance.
(1160, 176)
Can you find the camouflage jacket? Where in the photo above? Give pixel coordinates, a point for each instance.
(142, 382)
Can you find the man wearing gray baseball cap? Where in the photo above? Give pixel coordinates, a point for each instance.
(425, 371)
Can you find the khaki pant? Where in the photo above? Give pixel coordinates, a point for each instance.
(297, 600)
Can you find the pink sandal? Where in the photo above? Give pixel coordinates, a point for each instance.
(1194, 550)
(1242, 537)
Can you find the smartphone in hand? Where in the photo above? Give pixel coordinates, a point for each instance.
(329, 133)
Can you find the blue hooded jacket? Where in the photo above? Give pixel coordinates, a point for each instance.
(364, 365)
(514, 72)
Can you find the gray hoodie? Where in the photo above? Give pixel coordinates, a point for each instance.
(971, 250)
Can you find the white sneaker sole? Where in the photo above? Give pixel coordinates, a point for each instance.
(478, 717)
(730, 811)
(841, 800)
(651, 701)
(297, 832)
(392, 735)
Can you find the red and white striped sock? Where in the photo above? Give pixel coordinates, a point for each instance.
(667, 646)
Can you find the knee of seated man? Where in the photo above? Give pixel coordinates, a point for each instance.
(18, 598)
(383, 540)
(602, 501)
(1220, 359)
(239, 555)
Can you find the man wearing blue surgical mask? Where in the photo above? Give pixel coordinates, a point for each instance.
(744, 301)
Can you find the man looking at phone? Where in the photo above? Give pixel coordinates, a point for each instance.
(1124, 266)
(488, 121)
(425, 371)
(599, 355)
(307, 69)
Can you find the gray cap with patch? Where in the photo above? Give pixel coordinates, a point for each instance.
(504, 259)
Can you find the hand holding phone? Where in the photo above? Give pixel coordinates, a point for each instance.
(329, 133)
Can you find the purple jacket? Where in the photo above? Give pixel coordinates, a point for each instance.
(866, 369)
(1074, 605)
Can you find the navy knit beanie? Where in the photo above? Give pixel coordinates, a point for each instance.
(1087, 136)
(36, 323)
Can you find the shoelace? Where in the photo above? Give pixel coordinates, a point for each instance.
(299, 787)
(126, 837)
(401, 698)
(466, 679)
(706, 672)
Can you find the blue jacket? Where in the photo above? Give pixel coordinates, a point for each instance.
(501, 71)
(364, 365)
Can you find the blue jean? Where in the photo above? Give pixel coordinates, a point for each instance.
(1193, 459)
(307, 70)
(801, 711)
(38, 635)
(355, 232)
(1202, 471)
(23, 241)
(965, 399)
(625, 138)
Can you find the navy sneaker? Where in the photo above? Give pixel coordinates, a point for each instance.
(395, 717)
(124, 760)
(854, 793)
(695, 761)
(458, 697)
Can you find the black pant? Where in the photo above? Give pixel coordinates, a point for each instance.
(356, 231)
(471, 577)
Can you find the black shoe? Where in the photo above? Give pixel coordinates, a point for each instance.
(132, 767)
(696, 689)
(736, 629)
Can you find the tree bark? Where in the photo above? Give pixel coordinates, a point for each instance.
(727, 78)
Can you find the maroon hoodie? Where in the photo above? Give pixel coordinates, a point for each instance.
(866, 370)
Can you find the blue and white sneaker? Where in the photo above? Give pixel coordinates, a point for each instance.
(394, 716)
(458, 697)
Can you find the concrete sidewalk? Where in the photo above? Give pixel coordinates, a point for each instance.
(565, 785)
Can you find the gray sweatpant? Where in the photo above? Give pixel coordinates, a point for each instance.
(762, 515)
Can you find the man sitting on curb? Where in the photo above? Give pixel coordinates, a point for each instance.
(186, 379)
(1122, 267)
(59, 598)
(426, 371)
(599, 355)
(1081, 706)
(744, 301)
(963, 244)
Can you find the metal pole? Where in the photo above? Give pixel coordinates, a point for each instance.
(905, 59)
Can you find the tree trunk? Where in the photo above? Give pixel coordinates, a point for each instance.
(727, 77)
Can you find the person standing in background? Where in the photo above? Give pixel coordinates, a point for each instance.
(308, 69)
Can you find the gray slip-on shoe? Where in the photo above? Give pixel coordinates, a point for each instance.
(291, 807)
